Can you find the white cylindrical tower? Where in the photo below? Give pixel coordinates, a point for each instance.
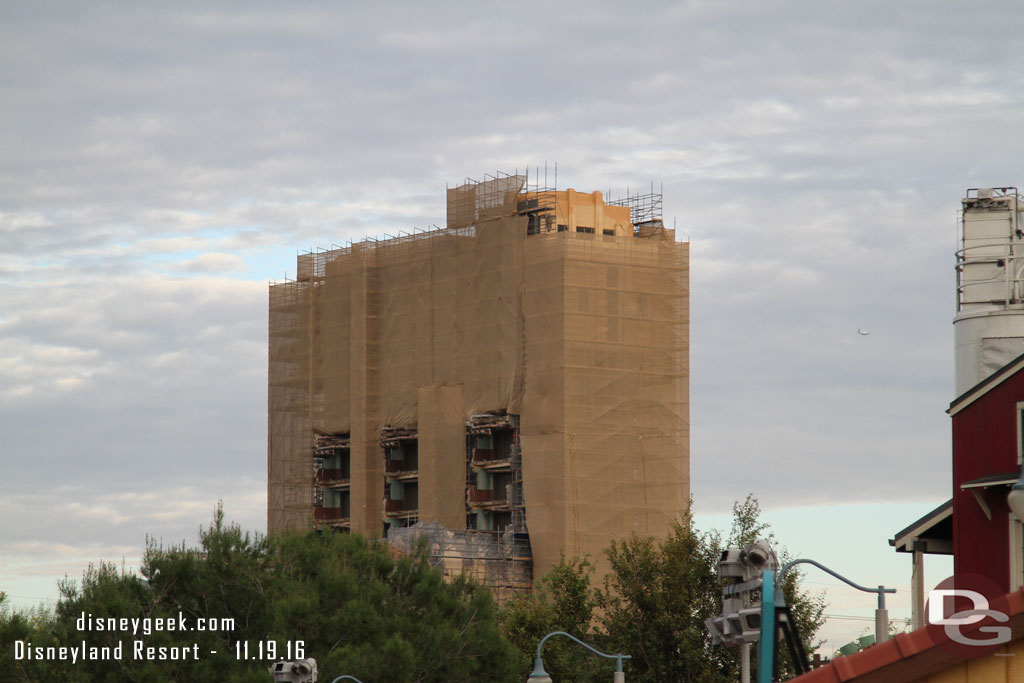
(989, 322)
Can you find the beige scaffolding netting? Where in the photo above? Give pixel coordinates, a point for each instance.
(584, 335)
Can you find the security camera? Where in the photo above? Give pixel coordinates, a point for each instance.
(750, 624)
(735, 625)
(298, 671)
(720, 630)
(744, 564)
(716, 633)
(730, 564)
(757, 557)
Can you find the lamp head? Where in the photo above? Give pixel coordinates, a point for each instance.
(539, 675)
(1016, 497)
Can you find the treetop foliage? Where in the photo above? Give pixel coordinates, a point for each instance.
(361, 609)
(349, 601)
(651, 606)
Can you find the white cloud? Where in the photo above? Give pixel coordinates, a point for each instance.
(210, 263)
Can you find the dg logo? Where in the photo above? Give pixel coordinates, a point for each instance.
(964, 608)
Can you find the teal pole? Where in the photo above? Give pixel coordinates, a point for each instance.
(766, 646)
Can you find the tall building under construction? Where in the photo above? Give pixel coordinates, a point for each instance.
(514, 385)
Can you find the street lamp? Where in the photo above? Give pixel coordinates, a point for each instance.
(772, 599)
(881, 613)
(539, 675)
(1016, 497)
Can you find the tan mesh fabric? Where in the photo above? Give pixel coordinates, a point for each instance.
(605, 419)
(545, 305)
(367, 467)
(289, 465)
(442, 457)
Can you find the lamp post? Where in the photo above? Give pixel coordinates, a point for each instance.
(346, 677)
(539, 675)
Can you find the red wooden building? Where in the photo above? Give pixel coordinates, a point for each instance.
(988, 432)
(976, 525)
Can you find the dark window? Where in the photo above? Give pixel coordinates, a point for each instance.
(608, 232)
(580, 228)
(533, 224)
(1020, 432)
(562, 228)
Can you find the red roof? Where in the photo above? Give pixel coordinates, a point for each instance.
(910, 656)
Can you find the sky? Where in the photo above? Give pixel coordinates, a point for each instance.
(161, 163)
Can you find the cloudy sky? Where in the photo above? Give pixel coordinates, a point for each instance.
(159, 164)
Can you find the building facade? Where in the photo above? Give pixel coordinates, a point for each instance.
(988, 433)
(517, 382)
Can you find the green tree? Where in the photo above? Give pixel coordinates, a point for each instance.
(563, 600)
(384, 618)
(652, 606)
(33, 628)
(345, 600)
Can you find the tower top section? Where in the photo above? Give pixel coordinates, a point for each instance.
(989, 322)
(536, 195)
